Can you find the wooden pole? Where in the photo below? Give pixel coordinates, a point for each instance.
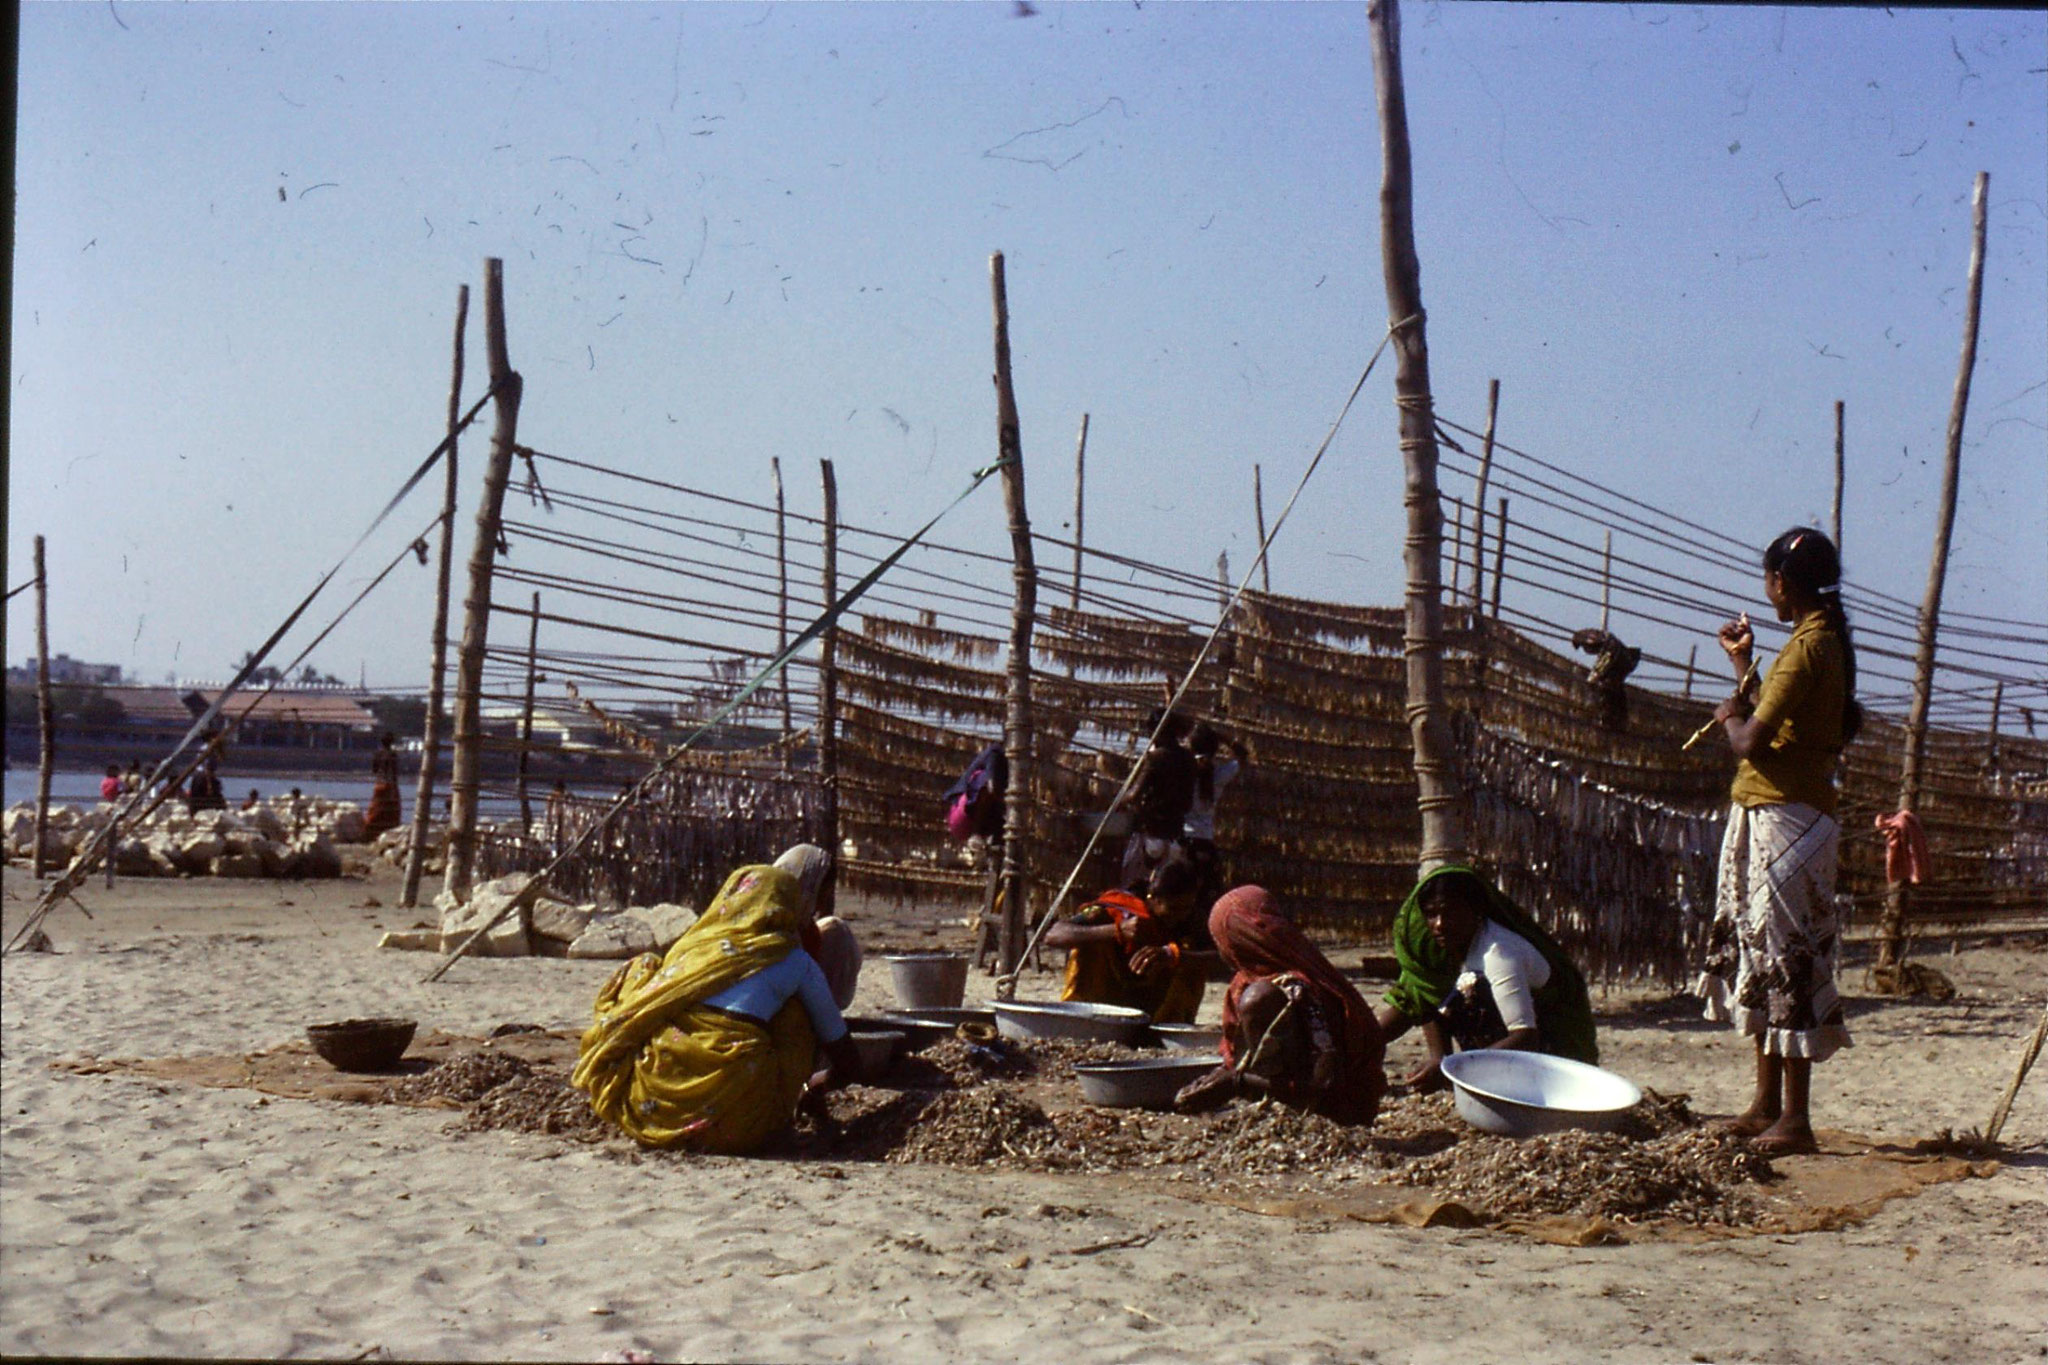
(1455, 555)
(1023, 612)
(1898, 896)
(1222, 579)
(1438, 797)
(1080, 481)
(46, 720)
(1837, 523)
(437, 673)
(1997, 706)
(1500, 554)
(2027, 1055)
(1479, 494)
(526, 719)
(782, 600)
(1606, 579)
(1259, 511)
(476, 606)
(1691, 662)
(828, 671)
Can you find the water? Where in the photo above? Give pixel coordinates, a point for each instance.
(79, 788)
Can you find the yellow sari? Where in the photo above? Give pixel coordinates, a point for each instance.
(673, 1072)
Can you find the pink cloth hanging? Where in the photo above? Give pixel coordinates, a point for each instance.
(1906, 858)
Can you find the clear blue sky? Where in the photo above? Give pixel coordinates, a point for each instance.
(1676, 235)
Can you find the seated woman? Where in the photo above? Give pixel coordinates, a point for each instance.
(1478, 972)
(822, 934)
(1147, 952)
(1293, 1027)
(711, 1047)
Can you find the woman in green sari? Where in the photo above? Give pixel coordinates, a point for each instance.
(1476, 971)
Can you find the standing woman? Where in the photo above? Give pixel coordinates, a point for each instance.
(1770, 965)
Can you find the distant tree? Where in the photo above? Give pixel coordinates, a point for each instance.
(403, 716)
(21, 705)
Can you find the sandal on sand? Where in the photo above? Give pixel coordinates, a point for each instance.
(1784, 1146)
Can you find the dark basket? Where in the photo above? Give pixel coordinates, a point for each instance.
(363, 1044)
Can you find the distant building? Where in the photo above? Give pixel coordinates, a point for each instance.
(323, 719)
(67, 670)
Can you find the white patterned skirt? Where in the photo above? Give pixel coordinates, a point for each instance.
(1770, 962)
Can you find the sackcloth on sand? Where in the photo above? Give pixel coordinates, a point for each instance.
(1100, 973)
(672, 1071)
(1564, 1008)
(1770, 961)
(1261, 944)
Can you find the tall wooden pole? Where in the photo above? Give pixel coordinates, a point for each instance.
(782, 599)
(1691, 662)
(1479, 493)
(526, 718)
(828, 670)
(1500, 554)
(1441, 802)
(1080, 485)
(1023, 612)
(1837, 523)
(1606, 578)
(437, 674)
(1897, 899)
(1259, 511)
(46, 720)
(1455, 555)
(476, 606)
(1997, 705)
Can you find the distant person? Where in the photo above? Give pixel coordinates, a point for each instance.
(1159, 803)
(558, 812)
(1212, 775)
(254, 800)
(133, 781)
(384, 811)
(204, 791)
(111, 786)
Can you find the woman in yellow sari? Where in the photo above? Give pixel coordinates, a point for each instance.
(711, 1047)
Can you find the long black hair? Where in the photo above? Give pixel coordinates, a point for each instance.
(1809, 563)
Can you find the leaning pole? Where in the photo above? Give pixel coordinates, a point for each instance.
(1440, 798)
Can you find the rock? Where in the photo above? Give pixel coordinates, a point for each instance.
(614, 936)
(264, 822)
(666, 921)
(312, 856)
(131, 859)
(412, 940)
(559, 920)
(238, 865)
(513, 935)
(197, 852)
(347, 825)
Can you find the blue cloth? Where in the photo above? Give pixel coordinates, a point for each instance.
(759, 996)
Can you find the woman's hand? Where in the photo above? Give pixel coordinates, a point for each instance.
(1737, 640)
(1427, 1078)
(1153, 960)
(1735, 707)
(1204, 1093)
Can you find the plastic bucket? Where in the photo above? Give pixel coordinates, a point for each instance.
(929, 980)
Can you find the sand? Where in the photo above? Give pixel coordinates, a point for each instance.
(138, 1217)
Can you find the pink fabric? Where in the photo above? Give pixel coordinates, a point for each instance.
(1906, 858)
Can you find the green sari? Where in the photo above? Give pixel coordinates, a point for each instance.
(1564, 1011)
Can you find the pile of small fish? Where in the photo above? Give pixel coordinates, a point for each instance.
(1697, 1175)
(464, 1079)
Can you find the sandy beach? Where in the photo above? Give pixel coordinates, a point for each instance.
(150, 1218)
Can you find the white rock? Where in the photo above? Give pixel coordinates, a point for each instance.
(347, 825)
(614, 936)
(197, 851)
(560, 920)
(412, 940)
(666, 921)
(312, 856)
(238, 865)
(513, 935)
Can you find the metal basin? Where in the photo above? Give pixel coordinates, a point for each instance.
(1189, 1037)
(878, 1050)
(928, 980)
(1071, 1019)
(1148, 1084)
(1520, 1094)
(926, 1027)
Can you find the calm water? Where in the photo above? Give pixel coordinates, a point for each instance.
(83, 789)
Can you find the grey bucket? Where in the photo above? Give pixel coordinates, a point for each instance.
(929, 980)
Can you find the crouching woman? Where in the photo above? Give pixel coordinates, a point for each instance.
(712, 1047)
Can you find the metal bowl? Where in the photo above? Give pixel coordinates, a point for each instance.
(1520, 1094)
(1071, 1019)
(363, 1044)
(935, 1025)
(878, 1050)
(1148, 1084)
(1189, 1037)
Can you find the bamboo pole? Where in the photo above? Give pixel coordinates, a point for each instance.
(2027, 1055)
(1080, 483)
(828, 671)
(1997, 706)
(782, 599)
(1479, 494)
(476, 606)
(1500, 553)
(1455, 555)
(1898, 896)
(1691, 662)
(1438, 797)
(1259, 512)
(46, 720)
(1837, 522)
(437, 675)
(1023, 612)
(526, 719)
(1606, 579)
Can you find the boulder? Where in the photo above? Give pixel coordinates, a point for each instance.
(312, 856)
(238, 865)
(195, 853)
(666, 922)
(614, 936)
(559, 920)
(131, 859)
(412, 940)
(346, 827)
(263, 821)
(513, 936)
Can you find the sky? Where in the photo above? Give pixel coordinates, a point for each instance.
(1676, 235)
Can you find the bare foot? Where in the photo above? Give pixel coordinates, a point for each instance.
(1784, 1139)
(1748, 1124)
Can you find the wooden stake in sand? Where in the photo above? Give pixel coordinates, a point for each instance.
(1897, 898)
(46, 721)
(1023, 614)
(2019, 1076)
(437, 675)
(469, 668)
(1439, 798)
